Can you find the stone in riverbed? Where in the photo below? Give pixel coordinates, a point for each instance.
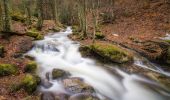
(83, 96)
(29, 83)
(76, 85)
(30, 67)
(58, 73)
(47, 96)
(52, 96)
(107, 52)
(168, 56)
(46, 84)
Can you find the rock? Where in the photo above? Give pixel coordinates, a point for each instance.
(155, 51)
(29, 83)
(76, 85)
(58, 73)
(56, 29)
(52, 96)
(29, 57)
(47, 96)
(168, 56)
(8, 69)
(99, 35)
(30, 67)
(35, 34)
(108, 52)
(83, 96)
(17, 16)
(46, 84)
(2, 51)
(61, 96)
(23, 45)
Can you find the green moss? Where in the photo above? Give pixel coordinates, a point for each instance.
(8, 69)
(56, 29)
(168, 56)
(99, 35)
(30, 83)
(111, 52)
(17, 16)
(39, 37)
(31, 67)
(35, 34)
(57, 73)
(167, 41)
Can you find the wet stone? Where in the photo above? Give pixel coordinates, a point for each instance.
(47, 96)
(76, 85)
(46, 84)
(83, 96)
(58, 73)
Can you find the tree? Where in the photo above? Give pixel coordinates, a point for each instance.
(6, 16)
(28, 10)
(40, 14)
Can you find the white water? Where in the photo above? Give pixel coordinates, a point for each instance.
(58, 51)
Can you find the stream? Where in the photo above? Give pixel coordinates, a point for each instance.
(58, 51)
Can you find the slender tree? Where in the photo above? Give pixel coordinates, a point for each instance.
(40, 14)
(6, 16)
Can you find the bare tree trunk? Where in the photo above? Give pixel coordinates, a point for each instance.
(40, 14)
(6, 16)
(85, 19)
(28, 11)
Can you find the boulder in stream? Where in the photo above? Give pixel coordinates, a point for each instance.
(58, 73)
(76, 85)
(83, 96)
(107, 52)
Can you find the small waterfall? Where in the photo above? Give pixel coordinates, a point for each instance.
(58, 51)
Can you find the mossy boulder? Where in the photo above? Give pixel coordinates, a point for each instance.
(58, 73)
(17, 16)
(56, 29)
(168, 56)
(35, 34)
(167, 41)
(2, 51)
(109, 52)
(99, 35)
(29, 83)
(30, 67)
(8, 69)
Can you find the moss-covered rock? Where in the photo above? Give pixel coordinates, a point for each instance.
(168, 56)
(108, 52)
(56, 29)
(30, 67)
(29, 83)
(1, 51)
(167, 41)
(8, 69)
(99, 35)
(17, 16)
(35, 34)
(57, 73)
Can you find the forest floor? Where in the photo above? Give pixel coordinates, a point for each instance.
(130, 28)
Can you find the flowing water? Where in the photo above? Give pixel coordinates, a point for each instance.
(58, 51)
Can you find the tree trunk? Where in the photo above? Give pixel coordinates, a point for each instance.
(6, 17)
